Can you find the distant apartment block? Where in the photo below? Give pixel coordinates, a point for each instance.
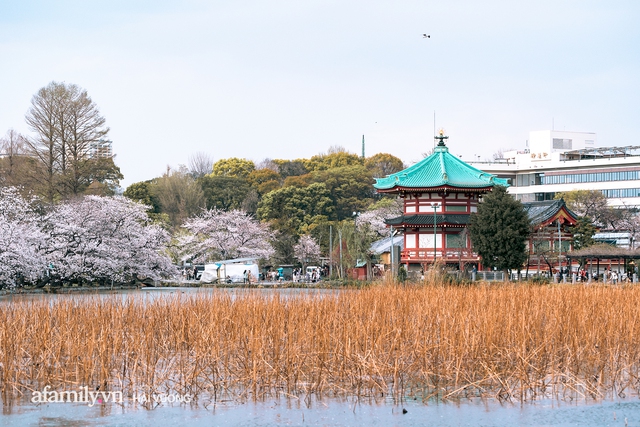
(560, 161)
(100, 148)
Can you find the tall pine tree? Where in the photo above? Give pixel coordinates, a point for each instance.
(499, 231)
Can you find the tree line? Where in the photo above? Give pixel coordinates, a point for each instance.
(280, 210)
(302, 197)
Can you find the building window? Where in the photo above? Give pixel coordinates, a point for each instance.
(522, 180)
(565, 246)
(584, 177)
(426, 241)
(562, 144)
(538, 178)
(621, 193)
(455, 208)
(410, 241)
(541, 197)
(455, 241)
(541, 246)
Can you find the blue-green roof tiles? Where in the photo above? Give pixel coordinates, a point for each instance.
(439, 169)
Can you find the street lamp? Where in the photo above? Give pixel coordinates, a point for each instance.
(435, 246)
(559, 249)
(355, 232)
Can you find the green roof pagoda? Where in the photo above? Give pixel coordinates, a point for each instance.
(439, 170)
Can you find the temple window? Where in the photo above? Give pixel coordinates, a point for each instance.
(456, 241)
(456, 208)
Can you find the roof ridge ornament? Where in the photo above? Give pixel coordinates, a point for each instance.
(441, 137)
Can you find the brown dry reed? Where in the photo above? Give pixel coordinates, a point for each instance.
(507, 341)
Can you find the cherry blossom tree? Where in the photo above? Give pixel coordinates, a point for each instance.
(306, 250)
(370, 226)
(217, 234)
(20, 239)
(99, 239)
(372, 221)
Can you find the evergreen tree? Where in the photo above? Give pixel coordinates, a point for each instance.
(499, 231)
(583, 233)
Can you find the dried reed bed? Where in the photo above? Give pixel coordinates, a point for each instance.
(506, 341)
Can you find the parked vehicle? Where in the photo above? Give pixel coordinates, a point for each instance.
(229, 273)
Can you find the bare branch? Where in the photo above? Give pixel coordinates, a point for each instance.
(200, 164)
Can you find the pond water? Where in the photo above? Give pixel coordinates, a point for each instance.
(330, 413)
(151, 293)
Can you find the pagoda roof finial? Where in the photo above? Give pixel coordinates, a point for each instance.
(441, 137)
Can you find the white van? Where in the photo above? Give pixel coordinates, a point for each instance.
(229, 273)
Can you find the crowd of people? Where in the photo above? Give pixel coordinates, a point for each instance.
(583, 275)
(189, 273)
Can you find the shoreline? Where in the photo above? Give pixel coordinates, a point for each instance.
(171, 284)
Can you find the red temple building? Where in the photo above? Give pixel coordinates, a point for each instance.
(440, 192)
(551, 237)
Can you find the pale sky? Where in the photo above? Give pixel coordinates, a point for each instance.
(289, 79)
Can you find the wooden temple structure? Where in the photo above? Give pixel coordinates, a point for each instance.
(439, 193)
(551, 239)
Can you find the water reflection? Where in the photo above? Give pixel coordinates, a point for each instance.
(334, 413)
(151, 293)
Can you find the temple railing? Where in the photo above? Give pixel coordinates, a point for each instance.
(448, 254)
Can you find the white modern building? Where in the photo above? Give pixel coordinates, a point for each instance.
(101, 148)
(559, 161)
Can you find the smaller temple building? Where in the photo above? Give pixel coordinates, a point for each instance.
(551, 237)
(440, 192)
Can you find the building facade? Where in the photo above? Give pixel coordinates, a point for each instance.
(101, 149)
(558, 161)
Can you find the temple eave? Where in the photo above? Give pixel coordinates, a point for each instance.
(427, 220)
(438, 224)
(448, 188)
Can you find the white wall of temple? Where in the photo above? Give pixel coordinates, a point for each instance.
(426, 203)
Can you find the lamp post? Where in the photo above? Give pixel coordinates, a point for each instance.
(355, 238)
(435, 246)
(355, 231)
(391, 251)
(560, 249)
(341, 272)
